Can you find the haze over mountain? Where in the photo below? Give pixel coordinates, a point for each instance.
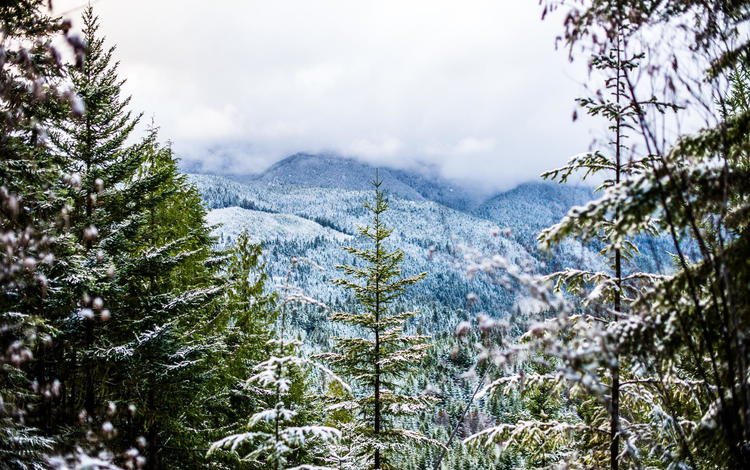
(310, 206)
(333, 171)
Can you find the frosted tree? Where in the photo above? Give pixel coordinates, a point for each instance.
(245, 326)
(379, 363)
(30, 214)
(684, 337)
(610, 292)
(91, 147)
(680, 342)
(278, 436)
(141, 282)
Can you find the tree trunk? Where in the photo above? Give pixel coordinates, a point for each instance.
(614, 430)
(377, 345)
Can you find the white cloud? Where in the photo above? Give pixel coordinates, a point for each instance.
(208, 123)
(375, 149)
(474, 86)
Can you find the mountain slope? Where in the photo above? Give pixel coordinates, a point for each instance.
(329, 171)
(310, 222)
(268, 227)
(532, 207)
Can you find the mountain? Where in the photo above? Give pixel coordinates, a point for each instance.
(308, 207)
(313, 223)
(333, 171)
(531, 207)
(328, 171)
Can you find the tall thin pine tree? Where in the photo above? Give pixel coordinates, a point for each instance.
(379, 363)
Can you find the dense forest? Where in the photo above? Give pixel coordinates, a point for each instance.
(137, 334)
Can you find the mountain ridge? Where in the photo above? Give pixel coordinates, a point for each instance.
(340, 172)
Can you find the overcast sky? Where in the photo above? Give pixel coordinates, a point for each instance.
(473, 86)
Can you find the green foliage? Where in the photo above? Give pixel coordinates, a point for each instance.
(683, 338)
(281, 432)
(379, 362)
(31, 234)
(130, 295)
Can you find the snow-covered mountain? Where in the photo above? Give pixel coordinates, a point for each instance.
(315, 223)
(332, 171)
(531, 207)
(310, 207)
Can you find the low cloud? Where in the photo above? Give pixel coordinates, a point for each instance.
(474, 88)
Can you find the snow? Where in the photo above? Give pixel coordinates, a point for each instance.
(266, 227)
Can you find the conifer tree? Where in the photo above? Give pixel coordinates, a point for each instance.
(30, 209)
(379, 362)
(604, 296)
(682, 339)
(169, 274)
(92, 149)
(279, 435)
(607, 288)
(141, 281)
(687, 328)
(245, 328)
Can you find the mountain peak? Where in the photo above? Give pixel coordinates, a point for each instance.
(332, 171)
(335, 171)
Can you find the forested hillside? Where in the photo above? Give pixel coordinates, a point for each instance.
(434, 238)
(331, 314)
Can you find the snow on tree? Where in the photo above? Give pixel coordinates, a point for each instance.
(677, 340)
(277, 435)
(378, 362)
(31, 210)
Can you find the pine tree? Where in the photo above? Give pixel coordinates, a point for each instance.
(379, 363)
(169, 274)
(253, 310)
(586, 346)
(280, 435)
(684, 336)
(91, 148)
(30, 209)
(245, 327)
(141, 283)
(607, 288)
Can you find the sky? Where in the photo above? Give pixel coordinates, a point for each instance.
(474, 88)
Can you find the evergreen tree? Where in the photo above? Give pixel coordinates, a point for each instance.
(140, 285)
(30, 211)
(682, 338)
(170, 284)
(379, 363)
(614, 289)
(686, 335)
(585, 349)
(246, 327)
(279, 435)
(91, 148)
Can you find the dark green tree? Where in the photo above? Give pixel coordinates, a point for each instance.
(30, 212)
(246, 327)
(102, 171)
(282, 431)
(141, 283)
